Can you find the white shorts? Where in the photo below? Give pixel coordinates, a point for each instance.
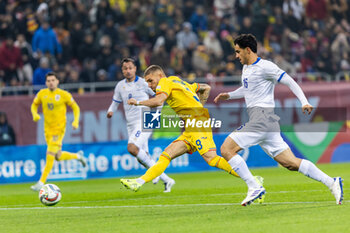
(262, 129)
(138, 137)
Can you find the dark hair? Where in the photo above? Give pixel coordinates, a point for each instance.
(50, 74)
(151, 69)
(128, 59)
(247, 41)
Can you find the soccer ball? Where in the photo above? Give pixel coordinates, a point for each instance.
(50, 194)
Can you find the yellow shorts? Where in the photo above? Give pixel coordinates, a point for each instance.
(198, 141)
(54, 142)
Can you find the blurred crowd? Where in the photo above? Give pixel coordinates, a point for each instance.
(85, 40)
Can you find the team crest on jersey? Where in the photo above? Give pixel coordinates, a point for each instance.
(57, 97)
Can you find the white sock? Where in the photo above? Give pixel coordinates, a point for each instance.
(145, 159)
(140, 181)
(148, 162)
(165, 178)
(310, 170)
(240, 167)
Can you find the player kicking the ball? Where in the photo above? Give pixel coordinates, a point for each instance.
(259, 77)
(135, 87)
(183, 99)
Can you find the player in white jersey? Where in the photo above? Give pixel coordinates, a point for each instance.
(259, 78)
(135, 87)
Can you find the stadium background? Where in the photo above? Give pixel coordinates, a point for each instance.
(193, 39)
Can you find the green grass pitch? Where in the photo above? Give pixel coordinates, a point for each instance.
(199, 202)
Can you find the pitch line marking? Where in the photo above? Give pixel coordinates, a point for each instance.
(182, 196)
(164, 197)
(175, 205)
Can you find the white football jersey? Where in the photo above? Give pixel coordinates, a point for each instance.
(258, 82)
(138, 90)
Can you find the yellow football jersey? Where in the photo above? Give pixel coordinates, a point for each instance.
(182, 97)
(54, 107)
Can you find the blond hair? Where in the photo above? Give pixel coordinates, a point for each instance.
(152, 69)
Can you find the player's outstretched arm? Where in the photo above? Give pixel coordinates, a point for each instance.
(157, 101)
(221, 96)
(298, 92)
(203, 92)
(237, 94)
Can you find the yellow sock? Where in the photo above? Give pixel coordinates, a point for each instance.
(67, 155)
(158, 168)
(221, 163)
(50, 159)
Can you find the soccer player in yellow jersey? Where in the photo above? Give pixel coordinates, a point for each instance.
(182, 97)
(54, 103)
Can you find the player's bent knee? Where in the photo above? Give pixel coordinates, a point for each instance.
(58, 155)
(54, 151)
(227, 151)
(224, 150)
